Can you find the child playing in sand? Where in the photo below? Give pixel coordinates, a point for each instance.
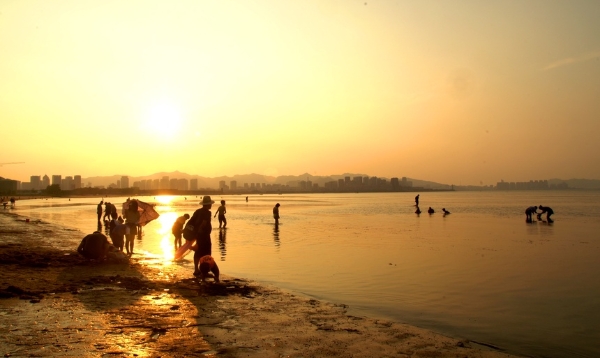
(207, 264)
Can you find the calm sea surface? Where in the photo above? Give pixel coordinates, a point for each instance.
(481, 273)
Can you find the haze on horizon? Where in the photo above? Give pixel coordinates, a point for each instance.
(459, 92)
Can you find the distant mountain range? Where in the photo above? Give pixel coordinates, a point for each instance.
(213, 183)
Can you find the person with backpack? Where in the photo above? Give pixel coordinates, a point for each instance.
(200, 221)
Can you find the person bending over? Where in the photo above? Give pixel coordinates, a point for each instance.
(208, 264)
(94, 246)
(177, 229)
(548, 212)
(529, 213)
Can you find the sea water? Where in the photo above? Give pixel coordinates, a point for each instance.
(481, 272)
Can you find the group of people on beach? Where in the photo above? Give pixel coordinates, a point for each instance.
(430, 210)
(196, 232)
(6, 200)
(122, 229)
(532, 210)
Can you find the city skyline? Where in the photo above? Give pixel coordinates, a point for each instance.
(467, 93)
(175, 181)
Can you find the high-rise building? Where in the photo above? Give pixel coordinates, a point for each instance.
(45, 181)
(77, 181)
(164, 183)
(182, 184)
(56, 179)
(67, 183)
(36, 182)
(124, 182)
(194, 184)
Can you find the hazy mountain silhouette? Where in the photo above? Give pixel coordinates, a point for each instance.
(213, 183)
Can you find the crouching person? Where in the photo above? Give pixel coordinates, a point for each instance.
(207, 264)
(94, 246)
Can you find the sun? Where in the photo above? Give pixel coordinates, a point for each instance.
(163, 119)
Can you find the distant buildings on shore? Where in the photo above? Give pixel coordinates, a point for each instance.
(530, 185)
(356, 183)
(174, 185)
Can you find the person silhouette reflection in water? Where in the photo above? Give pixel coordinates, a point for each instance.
(418, 211)
(276, 234)
(222, 243)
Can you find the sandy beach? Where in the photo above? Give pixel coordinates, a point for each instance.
(54, 303)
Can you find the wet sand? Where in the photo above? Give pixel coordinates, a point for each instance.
(54, 303)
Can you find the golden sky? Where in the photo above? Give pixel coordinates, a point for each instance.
(457, 92)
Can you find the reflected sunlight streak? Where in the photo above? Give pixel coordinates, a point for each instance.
(165, 200)
(166, 221)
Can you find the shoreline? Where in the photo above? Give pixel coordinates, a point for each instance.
(55, 303)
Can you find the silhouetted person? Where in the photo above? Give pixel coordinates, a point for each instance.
(417, 200)
(99, 210)
(107, 210)
(201, 221)
(276, 213)
(430, 210)
(117, 232)
(548, 212)
(529, 213)
(207, 264)
(94, 246)
(246, 199)
(221, 210)
(177, 229)
(446, 212)
(132, 217)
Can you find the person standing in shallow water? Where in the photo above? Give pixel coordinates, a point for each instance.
(132, 217)
(276, 213)
(202, 226)
(99, 210)
(417, 200)
(221, 210)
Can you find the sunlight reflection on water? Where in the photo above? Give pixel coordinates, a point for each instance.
(481, 272)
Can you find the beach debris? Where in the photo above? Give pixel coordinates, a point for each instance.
(157, 332)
